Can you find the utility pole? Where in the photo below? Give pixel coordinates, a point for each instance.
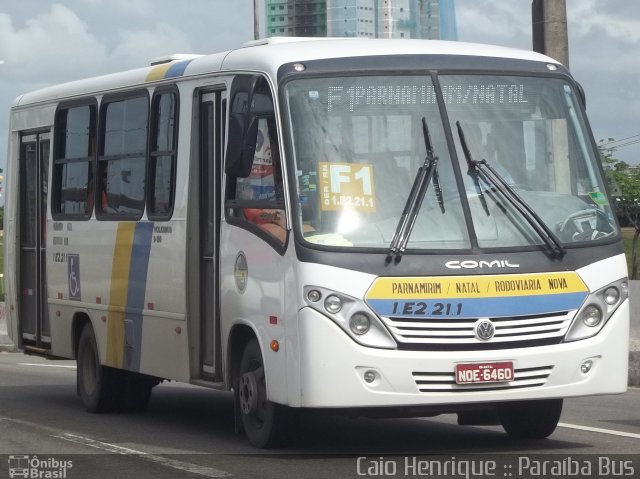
(256, 21)
(549, 27)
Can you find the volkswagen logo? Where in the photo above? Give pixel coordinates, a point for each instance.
(484, 330)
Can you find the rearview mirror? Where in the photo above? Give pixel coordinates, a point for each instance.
(248, 151)
(250, 100)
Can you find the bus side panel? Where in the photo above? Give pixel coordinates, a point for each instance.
(260, 305)
(128, 278)
(165, 328)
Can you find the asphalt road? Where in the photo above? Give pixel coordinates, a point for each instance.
(188, 432)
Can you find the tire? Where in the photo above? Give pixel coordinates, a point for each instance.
(530, 419)
(264, 422)
(99, 387)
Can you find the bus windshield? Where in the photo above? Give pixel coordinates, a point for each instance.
(358, 144)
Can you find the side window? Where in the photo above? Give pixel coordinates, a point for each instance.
(122, 158)
(73, 182)
(255, 196)
(263, 186)
(162, 158)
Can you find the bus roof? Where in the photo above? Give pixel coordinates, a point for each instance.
(266, 55)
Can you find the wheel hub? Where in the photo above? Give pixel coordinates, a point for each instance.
(248, 393)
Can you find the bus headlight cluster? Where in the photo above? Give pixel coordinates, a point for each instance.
(591, 315)
(611, 295)
(333, 304)
(314, 295)
(360, 323)
(597, 310)
(351, 314)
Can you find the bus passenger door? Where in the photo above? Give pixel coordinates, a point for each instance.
(34, 308)
(212, 106)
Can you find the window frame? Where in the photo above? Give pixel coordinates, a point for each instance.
(101, 159)
(234, 206)
(153, 153)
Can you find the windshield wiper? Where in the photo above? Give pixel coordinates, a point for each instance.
(472, 171)
(426, 173)
(505, 189)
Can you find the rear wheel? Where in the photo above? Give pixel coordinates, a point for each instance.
(262, 420)
(530, 419)
(99, 387)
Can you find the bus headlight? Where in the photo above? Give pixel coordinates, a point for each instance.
(351, 314)
(314, 295)
(333, 304)
(597, 309)
(591, 315)
(611, 295)
(360, 323)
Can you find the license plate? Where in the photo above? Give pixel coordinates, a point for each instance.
(484, 372)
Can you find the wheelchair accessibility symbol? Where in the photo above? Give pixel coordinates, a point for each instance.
(73, 262)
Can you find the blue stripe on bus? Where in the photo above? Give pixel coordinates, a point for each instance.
(136, 291)
(177, 69)
(478, 307)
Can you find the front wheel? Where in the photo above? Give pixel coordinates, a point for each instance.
(262, 420)
(530, 419)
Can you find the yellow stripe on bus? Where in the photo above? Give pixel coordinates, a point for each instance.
(118, 293)
(158, 72)
(476, 286)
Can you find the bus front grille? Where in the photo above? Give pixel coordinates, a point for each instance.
(459, 333)
(438, 382)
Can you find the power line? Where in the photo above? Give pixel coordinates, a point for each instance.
(623, 145)
(621, 139)
(629, 143)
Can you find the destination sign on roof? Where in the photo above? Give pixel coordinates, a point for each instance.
(366, 93)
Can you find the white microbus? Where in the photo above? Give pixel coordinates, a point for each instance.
(384, 227)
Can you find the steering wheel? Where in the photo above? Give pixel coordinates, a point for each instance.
(585, 225)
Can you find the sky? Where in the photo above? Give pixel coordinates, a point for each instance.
(47, 42)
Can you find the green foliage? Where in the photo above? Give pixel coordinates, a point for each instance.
(624, 185)
(2, 290)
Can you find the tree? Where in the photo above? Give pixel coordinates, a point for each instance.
(624, 183)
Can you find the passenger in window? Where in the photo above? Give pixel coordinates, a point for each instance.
(105, 201)
(271, 221)
(264, 183)
(88, 206)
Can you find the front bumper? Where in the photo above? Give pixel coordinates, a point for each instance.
(332, 369)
